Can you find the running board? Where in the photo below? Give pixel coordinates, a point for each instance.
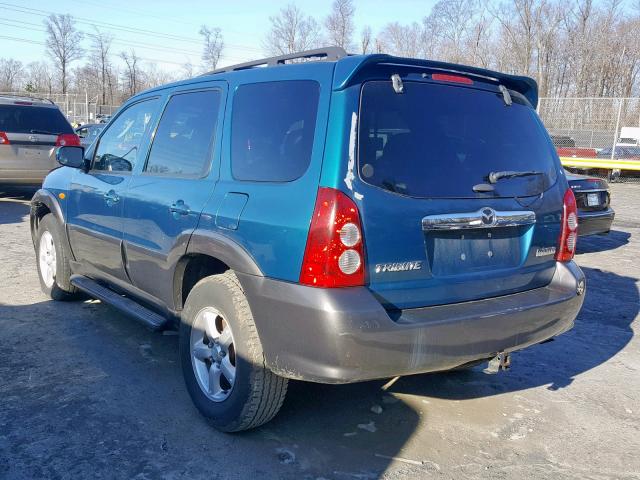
(92, 288)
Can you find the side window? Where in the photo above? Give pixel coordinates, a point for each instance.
(182, 143)
(272, 130)
(93, 133)
(119, 147)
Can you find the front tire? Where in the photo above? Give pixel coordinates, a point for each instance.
(52, 259)
(222, 358)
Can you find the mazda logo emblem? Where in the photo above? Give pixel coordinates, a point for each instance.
(488, 216)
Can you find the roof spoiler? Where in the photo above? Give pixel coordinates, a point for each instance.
(348, 69)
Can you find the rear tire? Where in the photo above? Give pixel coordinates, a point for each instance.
(52, 260)
(218, 339)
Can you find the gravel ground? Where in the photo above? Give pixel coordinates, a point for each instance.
(87, 393)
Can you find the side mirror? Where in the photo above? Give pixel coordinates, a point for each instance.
(69, 156)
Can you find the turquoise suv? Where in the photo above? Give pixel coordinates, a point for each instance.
(327, 218)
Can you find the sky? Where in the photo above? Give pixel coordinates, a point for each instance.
(169, 35)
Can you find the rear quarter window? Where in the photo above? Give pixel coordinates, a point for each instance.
(272, 130)
(23, 119)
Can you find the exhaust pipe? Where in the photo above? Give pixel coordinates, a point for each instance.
(502, 361)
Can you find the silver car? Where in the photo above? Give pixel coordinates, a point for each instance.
(30, 130)
(89, 132)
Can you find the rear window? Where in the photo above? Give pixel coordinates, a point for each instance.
(439, 141)
(23, 119)
(272, 130)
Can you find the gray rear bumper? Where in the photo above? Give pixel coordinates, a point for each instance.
(344, 335)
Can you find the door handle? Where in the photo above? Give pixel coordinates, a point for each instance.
(111, 197)
(179, 208)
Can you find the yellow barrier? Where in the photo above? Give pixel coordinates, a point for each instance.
(600, 163)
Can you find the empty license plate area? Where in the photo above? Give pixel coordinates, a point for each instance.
(456, 252)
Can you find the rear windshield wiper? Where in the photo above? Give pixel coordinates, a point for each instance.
(494, 177)
(44, 132)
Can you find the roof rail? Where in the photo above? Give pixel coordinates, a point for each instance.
(26, 97)
(325, 54)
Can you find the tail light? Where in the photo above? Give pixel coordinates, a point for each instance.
(334, 256)
(68, 139)
(4, 140)
(569, 230)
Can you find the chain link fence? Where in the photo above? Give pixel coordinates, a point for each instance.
(77, 107)
(599, 136)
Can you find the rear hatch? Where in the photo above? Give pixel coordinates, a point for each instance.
(32, 131)
(436, 229)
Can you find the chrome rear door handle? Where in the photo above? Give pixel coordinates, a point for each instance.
(111, 197)
(179, 208)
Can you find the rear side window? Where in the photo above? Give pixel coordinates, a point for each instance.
(23, 119)
(272, 130)
(439, 141)
(183, 139)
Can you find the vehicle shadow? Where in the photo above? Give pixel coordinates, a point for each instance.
(14, 204)
(602, 329)
(17, 193)
(13, 212)
(115, 387)
(600, 243)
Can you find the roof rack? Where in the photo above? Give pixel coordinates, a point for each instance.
(329, 54)
(26, 97)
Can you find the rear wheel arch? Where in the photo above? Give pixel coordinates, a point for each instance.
(190, 269)
(209, 253)
(225, 249)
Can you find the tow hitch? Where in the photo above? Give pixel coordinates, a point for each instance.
(502, 361)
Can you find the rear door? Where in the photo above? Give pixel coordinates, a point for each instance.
(436, 229)
(165, 197)
(31, 131)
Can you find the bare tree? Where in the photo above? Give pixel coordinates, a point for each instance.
(448, 28)
(100, 57)
(579, 48)
(39, 76)
(480, 45)
(365, 40)
(63, 44)
(132, 74)
(402, 40)
(291, 31)
(11, 73)
(154, 76)
(213, 46)
(187, 70)
(86, 78)
(340, 24)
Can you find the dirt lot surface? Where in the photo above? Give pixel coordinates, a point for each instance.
(85, 392)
